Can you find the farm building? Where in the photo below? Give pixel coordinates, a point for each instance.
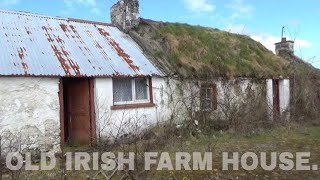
(68, 80)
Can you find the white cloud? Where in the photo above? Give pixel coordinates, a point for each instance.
(269, 40)
(199, 6)
(236, 28)
(302, 44)
(240, 9)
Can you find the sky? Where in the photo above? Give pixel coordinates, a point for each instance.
(262, 20)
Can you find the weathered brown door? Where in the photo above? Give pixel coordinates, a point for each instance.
(276, 99)
(78, 117)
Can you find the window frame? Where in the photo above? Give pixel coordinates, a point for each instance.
(134, 98)
(214, 96)
(134, 101)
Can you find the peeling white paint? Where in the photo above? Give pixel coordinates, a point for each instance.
(29, 113)
(30, 110)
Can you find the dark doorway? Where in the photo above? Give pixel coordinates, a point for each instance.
(276, 99)
(78, 112)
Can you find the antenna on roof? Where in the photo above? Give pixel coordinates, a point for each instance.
(282, 31)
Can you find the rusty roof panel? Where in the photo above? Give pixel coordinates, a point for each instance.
(36, 45)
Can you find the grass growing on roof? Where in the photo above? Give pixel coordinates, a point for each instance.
(196, 49)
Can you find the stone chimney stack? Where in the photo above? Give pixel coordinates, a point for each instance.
(125, 14)
(285, 46)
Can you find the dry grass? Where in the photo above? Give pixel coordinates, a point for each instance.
(201, 51)
(290, 139)
(303, 139)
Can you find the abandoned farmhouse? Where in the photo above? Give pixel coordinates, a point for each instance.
(69, 80)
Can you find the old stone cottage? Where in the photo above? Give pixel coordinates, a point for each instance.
(68, 80)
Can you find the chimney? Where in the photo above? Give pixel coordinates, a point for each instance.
(125, 14)
(285, 46)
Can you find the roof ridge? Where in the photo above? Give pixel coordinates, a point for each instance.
(55, 17)
(31, 14)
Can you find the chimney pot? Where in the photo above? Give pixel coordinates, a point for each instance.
(284, 46)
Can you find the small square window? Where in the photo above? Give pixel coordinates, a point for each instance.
(130, 91)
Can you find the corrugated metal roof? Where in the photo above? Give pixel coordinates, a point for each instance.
(36, 45)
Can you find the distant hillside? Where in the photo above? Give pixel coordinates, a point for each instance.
(203, 52)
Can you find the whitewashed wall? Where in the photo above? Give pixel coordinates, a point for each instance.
(284, 93)
(29, 113)
(270, 98)
(284, 88)
(172, 99)
(111, 123)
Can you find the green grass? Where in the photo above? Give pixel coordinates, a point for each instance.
(226, 53)
(201, 52)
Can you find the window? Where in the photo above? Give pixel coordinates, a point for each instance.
(208, 95)
(141, 89)
(122, 90)
(130, 91)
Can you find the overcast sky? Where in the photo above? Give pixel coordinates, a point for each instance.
(260, 19)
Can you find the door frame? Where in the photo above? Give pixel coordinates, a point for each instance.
(276, 98)
(93, 134)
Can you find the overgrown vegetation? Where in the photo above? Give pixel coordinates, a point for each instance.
(206, 52)
(172, 139)
(241, 123)
(201, 51)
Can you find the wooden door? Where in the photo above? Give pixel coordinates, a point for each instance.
(78, 111)
(276, 99)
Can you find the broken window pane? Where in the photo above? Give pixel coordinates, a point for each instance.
(122, 90)
(141, 89)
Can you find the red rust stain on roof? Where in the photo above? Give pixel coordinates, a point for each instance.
(117, 74)
(64, 27)
(62, 55)
(59, 40)
(119, 50)
(22, 54)
(74, 30)
(61, 59)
